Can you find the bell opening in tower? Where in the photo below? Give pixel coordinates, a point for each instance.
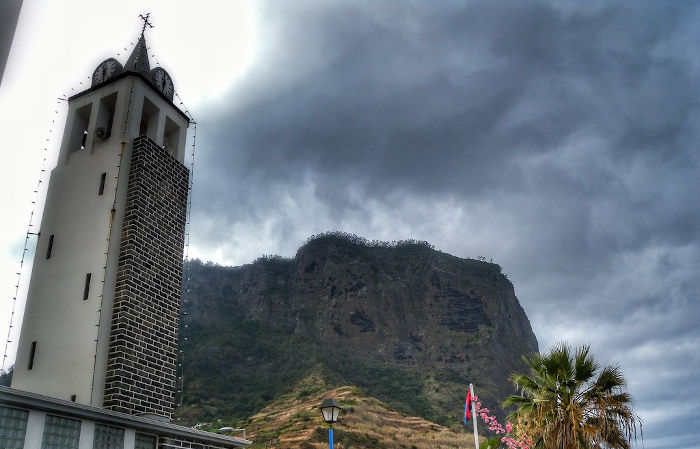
(105, 117)
(149, 119)
(78, 134)
(171, 138)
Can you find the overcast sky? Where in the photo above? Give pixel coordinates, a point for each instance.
(559, 139)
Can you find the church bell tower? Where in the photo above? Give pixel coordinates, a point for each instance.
(101, 321)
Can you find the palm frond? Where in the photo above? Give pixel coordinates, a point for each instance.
(564, 405)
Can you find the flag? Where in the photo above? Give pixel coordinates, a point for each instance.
(467, 407)
(471, 405)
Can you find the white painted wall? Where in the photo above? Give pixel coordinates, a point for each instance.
(87, 435)
(129, 439)
(35, 429)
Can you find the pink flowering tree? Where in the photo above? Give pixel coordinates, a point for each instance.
(512, 440)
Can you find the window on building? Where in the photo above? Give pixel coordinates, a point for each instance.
(86, 292)
(105, 117)
(171, 138)
(73, 397)
(103, 178)
(149, 119)
(107, 437)
(13, 427)
(145, 441)
(78, 135)
(60, 433)
(32, 351)
(50, 247)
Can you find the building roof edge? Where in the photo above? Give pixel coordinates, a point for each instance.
(33, 401)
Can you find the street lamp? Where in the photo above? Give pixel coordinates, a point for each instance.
(330, 411)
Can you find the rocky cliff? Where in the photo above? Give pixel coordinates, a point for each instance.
(410, 325)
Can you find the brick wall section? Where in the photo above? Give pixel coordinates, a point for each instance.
(141, 363)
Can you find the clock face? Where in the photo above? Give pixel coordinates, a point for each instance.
(163, 82)
(107, 69)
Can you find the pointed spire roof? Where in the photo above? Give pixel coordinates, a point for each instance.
(138, 61)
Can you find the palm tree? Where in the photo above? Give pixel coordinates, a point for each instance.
(564, 406)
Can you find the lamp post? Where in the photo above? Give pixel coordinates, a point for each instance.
(330, 411)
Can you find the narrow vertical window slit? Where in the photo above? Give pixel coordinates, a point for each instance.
(32, 351)
(87, 286)
(103, 178)
(50, 247)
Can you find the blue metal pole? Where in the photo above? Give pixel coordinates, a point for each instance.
(330, 437)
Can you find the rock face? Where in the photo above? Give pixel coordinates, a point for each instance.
(411, 325)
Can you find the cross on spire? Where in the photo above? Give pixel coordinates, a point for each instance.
(145, 22)
(138, 61)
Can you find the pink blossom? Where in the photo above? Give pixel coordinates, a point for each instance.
(496, 427)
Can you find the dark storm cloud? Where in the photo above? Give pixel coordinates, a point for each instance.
(559, 138)
(452, 99)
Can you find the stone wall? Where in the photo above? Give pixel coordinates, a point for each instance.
(141, 363)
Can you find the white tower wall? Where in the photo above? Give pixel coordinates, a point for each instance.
(72, 331)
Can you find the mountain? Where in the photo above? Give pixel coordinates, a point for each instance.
(6, 377)
(408, 325)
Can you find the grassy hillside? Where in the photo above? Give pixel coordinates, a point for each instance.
(294, 421)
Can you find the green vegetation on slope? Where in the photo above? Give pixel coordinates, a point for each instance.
(236, 373)
(6, 377)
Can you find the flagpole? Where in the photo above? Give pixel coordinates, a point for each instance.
(476, 432)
